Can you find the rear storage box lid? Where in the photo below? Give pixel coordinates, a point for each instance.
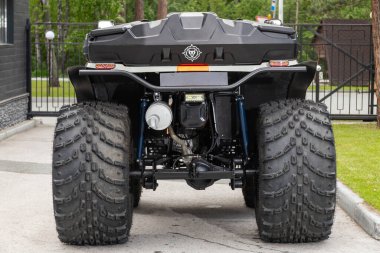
(191, 38)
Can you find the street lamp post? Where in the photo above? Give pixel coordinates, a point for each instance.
(49, 35)
(281, 10)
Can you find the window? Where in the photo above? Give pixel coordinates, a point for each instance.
(6, 21)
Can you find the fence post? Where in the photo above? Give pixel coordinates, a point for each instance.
(372, 75)
(28, 67)
(49, 68)
(317, 86)
(301, 42)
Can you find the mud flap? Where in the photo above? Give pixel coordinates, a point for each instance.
(301, 81)
(82, 84)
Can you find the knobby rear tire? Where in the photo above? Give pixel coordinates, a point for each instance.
(91, 159)
(297, 172)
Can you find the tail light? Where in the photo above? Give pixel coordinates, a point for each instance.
(105, 66)
(279, 63)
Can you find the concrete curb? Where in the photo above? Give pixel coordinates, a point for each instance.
(358, 210)
(21, 127)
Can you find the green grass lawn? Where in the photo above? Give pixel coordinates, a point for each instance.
(329, 88)
(358, 157)
(40, 89)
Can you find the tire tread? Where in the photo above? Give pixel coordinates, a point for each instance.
(91, 160)
(297, 172)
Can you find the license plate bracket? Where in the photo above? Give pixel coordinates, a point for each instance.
(192, 79)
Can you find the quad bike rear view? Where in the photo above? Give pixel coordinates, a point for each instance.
(198, 98)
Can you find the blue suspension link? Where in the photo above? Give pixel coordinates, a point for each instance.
(140, 147)
(243, 124)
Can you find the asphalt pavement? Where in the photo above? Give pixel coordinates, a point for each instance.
(175, 218)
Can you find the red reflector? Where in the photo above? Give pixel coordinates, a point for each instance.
(282, 63)
(105, 66)
(195, 67)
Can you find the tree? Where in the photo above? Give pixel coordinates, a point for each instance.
(63, 16)
(313, 11)
(376, 45)
(297, 11)
(162, 9)
(139, 9)
(36, 15)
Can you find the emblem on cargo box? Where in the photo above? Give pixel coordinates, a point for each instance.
(192, 53)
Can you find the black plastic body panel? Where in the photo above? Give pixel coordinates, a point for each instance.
(162, 42)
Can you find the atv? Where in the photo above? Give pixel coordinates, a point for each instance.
(198, 98)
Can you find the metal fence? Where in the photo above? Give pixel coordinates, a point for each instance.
(345, 82)
(49, 85)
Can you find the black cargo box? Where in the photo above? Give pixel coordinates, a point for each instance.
(184, 38)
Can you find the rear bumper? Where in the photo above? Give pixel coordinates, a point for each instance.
(292, 69)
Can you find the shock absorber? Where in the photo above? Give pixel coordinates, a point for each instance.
(243, 124)
(140, 146)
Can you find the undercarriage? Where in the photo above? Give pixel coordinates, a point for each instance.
(207, 141)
